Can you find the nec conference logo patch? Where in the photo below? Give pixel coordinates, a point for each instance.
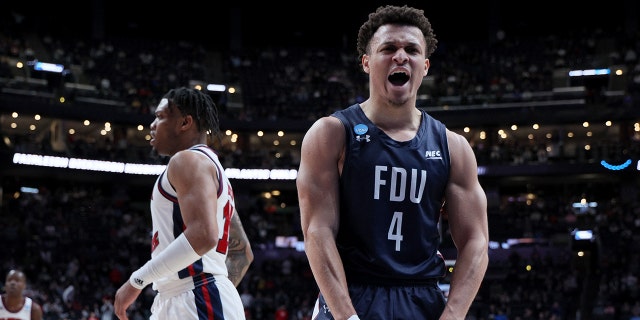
(433, 154)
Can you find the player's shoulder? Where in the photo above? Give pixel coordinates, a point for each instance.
(36, 310)
(325, 125)
(455, 139)
(460, 151)
(186, 159)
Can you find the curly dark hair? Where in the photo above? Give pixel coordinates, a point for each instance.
(199, 105)
(403, 15)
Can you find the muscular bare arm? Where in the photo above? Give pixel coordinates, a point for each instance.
(194, 178)
(466, 207)
(197, 197)
(322, 153)
(239, 256)
(192, 175)
(36, 311)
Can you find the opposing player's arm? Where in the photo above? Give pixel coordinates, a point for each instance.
(239, 256)
(466, 208)
(36, 311)
(195, 180)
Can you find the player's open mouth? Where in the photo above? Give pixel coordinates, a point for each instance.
(398, 78)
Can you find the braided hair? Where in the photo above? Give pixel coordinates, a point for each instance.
(200, 106)
(403, 15)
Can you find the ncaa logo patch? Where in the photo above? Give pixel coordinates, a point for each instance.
(360, 129)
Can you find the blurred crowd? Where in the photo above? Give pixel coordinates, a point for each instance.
(294, 83)
(77, 241)
(308, 82)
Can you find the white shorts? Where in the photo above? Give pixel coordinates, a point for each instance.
(214, 299)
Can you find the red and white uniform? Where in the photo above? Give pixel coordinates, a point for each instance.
(22, 314)
(203, 288)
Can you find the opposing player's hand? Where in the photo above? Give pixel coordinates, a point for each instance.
(125, 296)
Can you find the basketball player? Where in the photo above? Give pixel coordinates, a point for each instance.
(14, 304)
(199, 249)
(373, 178)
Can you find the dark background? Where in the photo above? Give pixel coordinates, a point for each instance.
(307, 23)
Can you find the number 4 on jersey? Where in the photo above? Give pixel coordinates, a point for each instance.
(395, 229)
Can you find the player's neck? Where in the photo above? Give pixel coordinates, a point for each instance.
(13, 303)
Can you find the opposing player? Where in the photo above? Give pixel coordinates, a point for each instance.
(200, 251)
(14, 304)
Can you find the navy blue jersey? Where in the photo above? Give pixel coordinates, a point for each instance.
(391, 194)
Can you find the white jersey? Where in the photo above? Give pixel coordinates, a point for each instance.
(22, 314)
(168, 225)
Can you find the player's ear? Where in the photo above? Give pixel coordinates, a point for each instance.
(427, 64)
(365, 63)
(187, 121)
